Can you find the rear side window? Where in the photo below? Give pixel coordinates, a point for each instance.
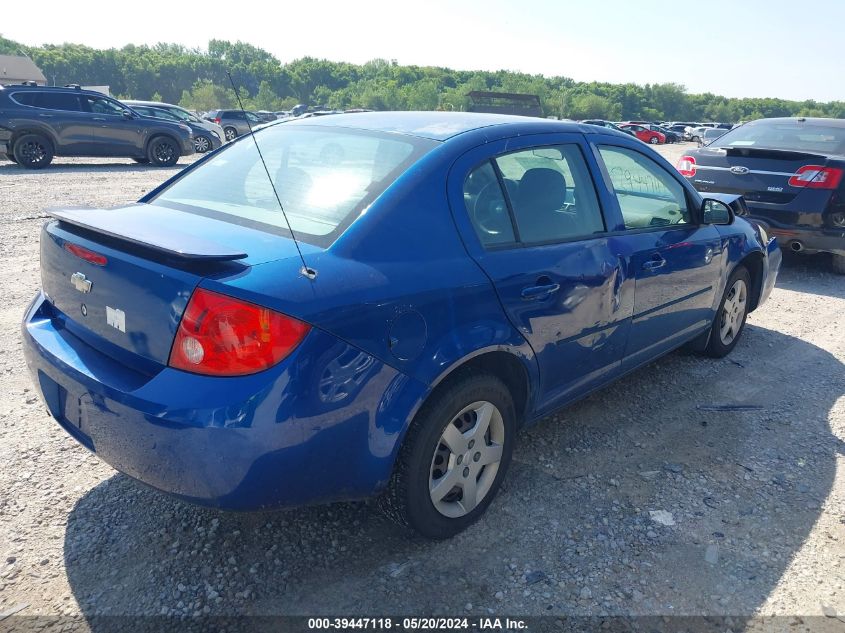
(648, 195)
(548, 191)
(57, 101)
(24, 98)
(324, 178)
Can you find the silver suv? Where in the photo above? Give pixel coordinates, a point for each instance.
(233, 122)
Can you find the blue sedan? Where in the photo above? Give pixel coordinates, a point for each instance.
(453, 278)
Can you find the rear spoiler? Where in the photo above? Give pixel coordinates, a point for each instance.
(132, 228)
(769, 152)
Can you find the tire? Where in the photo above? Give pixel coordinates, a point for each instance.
(12, 158)
(141, 161)
(654, 140)
(230, 133)
(458, 411)
(730, 318)
(33, 151)
(163, 152)
(202, 144)
(837, 263)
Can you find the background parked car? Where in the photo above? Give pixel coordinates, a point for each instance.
(643, 133)
(671, 137)
(234, 122)
(38, 123)
(607, 124)
(791, 172)
(207, 135)
(694, 134)
(711, 134)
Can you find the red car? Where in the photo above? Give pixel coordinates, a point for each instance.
(644, 134)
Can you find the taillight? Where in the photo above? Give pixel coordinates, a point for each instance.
(223, 336)
(816, 177)
(686, 166)
(83, 253)
(216, 120)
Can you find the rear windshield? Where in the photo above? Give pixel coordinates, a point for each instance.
(789, 135)
(325, 177)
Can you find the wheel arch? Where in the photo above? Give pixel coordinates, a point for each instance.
(17, 134)
(753, 263)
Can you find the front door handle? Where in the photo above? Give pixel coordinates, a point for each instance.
(46, 116)
(539, 292)
(99, 118)
(655, 262)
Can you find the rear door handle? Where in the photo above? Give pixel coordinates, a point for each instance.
(539, 292)
(655, 262)
(99, 118)
(46, 116)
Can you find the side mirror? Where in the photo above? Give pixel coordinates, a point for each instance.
(716, 212)
(128, 115)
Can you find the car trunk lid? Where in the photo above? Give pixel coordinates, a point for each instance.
(120, 278)
(762, 176)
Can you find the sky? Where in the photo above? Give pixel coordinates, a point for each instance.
(736, 48)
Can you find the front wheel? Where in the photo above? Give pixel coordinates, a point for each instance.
(838, 264)
(202, 144)
(231, 133)
(163, 152)
(730, 318)
(453, 459)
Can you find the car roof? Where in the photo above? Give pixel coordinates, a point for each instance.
(827, 122)
(155, 104)
(440, 126)
(26, 87)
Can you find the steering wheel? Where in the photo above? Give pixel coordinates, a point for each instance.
(489, 211)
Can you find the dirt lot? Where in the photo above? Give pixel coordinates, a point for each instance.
(752, 517)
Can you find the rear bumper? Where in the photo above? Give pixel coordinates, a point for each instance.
(283, 437)
(771, 268)
(805, 239)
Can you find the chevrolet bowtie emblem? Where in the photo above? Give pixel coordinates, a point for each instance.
(79, 282)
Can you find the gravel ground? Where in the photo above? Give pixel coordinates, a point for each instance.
(640, 500)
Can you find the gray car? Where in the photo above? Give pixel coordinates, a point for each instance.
(234, 122)
(38, 123)
(207, 135)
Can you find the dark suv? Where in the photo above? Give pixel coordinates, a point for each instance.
(37, 123)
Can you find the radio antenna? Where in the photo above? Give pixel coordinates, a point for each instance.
(306, 271)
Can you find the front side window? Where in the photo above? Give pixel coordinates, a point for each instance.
(648, 195)
(324, 177)
(101, 105)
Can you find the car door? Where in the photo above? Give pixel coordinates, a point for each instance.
(675, 259)
(532, 220)
(61, 112)
(114, 133)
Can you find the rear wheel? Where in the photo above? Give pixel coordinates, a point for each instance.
(33, 151)
(231, 133)
(730, 318)
(453, 459)
(654, 140)
(838, 263)
(163, 152)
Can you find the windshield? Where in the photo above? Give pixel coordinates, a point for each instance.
(325, 178)
(789, 135)
(183, 115)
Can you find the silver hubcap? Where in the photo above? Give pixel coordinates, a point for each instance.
(201, 144)
(467, 459)
(733, 312)
(230, 134)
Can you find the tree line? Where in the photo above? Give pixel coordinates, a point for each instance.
(197, 79)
